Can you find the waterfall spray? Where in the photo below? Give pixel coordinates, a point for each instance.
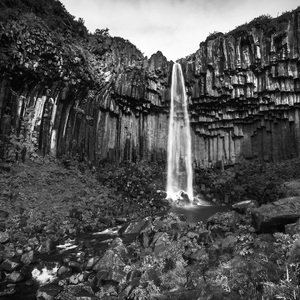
(180, 173)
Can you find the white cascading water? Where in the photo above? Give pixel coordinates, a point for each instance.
(180, 172)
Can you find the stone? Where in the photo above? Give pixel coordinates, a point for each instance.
(48, 246)
(64, 272)
(145, 240)
(111, 265)
(48, 291)
(223, 222)
(3, 215)
(204, 237)
(276, 214)
(2, 227)
(293, 228)
(243, 207)
(27, 258)
(75, 265)
(228, 243)
(15, 276)
(192, 235)
(199, 255)
(91, 262)
(133, 227)
(7, 292)
(4, 237)
(9, 265)
(292, 188)
(160, 243)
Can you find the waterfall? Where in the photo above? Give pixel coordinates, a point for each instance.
(180, 173)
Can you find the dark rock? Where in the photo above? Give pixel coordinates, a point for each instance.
(105, 220)
(28, 257)
(293, 228)
(222, 222)
(75, 279)
(3, 215)
(48, 291)
(91, 262)
(214, 252)
(76, 214)
(2, 227)
(244, 206)
(15, 276)
(33, 242)
(160, 242)
(145, 240)
(292, 188)
(8, 291)
(133, 227)
(228, 243)
(9, 265)
(4, 237)
(276, 214)
(120, 220)
(192, 235)
(198, 256)
(76, 266)
(48, 246)
(5, 167)
(204, 237)
(64, 272)
(110, 266)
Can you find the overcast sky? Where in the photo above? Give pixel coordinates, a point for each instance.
(175, 27)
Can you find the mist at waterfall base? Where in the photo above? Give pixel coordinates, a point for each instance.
(180, 172)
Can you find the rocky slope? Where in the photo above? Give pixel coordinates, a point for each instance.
(64, 235)
(67, 92)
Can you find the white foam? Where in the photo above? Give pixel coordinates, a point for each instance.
(44, 276)
(68, 245)
(109, 231)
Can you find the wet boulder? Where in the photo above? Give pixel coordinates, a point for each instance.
(244, 206)
(9, 265)
(48, 291)
(276, 214)
(111, 266)
(4, 237)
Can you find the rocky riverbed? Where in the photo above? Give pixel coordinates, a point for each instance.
(70, 232)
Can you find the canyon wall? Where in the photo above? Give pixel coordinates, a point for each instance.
(98, 98)
(244, 91)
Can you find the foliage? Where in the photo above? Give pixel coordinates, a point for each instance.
(254, 180)
(214, 35)
(133, 179)
(162, 272)
(50, 12)
(265, 23)
(286, 288)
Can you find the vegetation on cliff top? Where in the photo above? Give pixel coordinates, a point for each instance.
(265, 23)
(51, 13)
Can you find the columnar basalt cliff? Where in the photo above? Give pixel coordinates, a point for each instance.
(95, 97)
(65, 91)
(244, 90)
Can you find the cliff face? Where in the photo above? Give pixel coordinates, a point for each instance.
(98, 97)
(244, 90)
(95, 97)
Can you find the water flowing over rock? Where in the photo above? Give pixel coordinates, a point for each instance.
(180, 174)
